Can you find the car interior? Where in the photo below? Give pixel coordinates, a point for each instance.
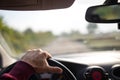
(0, 61)
(93, 55)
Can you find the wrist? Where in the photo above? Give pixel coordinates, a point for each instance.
(23, 69)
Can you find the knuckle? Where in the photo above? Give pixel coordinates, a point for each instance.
(39, 50)
(44, 54)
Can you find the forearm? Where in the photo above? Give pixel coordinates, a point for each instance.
(21, 71)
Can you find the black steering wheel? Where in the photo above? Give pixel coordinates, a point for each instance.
(52, 62)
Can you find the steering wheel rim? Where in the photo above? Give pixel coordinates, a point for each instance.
(51, 62)
(66, 71)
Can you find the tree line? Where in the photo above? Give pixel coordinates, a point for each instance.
(21, 41)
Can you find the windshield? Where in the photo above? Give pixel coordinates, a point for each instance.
(62, 31)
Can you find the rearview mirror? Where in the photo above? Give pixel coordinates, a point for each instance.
(34, 4)
(103, 14)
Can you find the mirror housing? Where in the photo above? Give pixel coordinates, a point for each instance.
(103, 14)
(34, 4)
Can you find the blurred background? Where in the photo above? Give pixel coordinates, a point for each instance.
(62, 31)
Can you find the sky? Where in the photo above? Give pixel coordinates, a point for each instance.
(57, 21)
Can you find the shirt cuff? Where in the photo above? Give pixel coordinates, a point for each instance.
(22, 71)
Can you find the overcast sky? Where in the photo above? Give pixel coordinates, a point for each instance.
(57, 21)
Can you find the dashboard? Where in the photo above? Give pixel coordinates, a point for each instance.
(104, 65)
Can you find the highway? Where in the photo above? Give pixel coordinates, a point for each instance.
(63, 45)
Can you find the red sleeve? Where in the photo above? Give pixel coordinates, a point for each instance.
(21, 71)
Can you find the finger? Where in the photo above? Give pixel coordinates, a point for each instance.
(39, 50)
(54, 69)
(46, 54)
(34, 49)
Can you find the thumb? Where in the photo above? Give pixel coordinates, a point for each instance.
(54, 69)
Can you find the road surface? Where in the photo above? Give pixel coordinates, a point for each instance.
(64, 46)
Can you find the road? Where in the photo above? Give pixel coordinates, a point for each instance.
(65, 45)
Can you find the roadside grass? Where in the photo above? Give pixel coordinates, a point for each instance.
(103, 41)
(104, 44)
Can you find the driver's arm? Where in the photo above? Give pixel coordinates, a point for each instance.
(34, 61)
(21, 71)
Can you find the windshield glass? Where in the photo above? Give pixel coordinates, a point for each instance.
(62, 31)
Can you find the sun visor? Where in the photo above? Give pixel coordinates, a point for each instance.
(34, 4)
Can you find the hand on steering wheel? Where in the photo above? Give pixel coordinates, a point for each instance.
(37, 58)
(42, 63)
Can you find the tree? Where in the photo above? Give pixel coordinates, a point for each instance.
(1, 22)
(92, 27)
(21, 41)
